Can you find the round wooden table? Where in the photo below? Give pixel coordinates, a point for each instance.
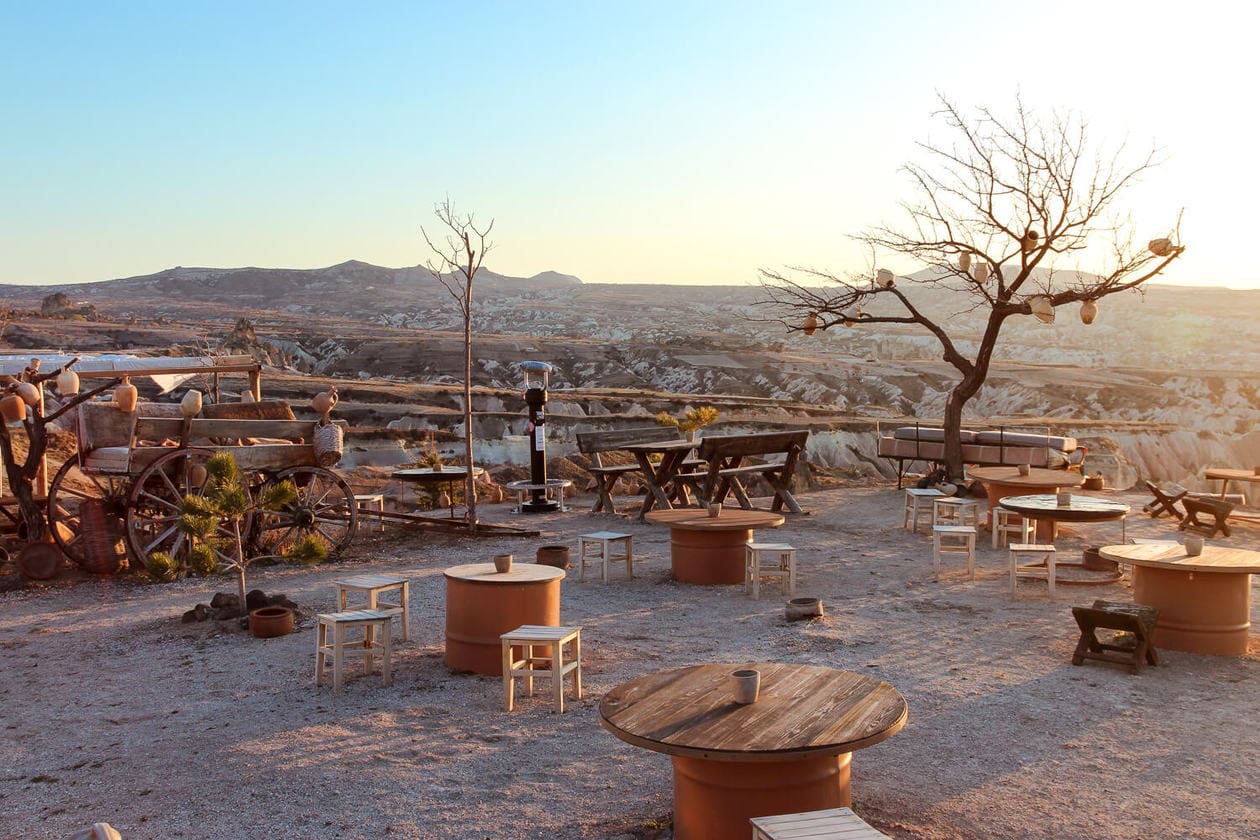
(449, 475)
(1000, 482)
(482, 604)
(710, 549)
(1204, 602)
(789, 752)
(1046, 508)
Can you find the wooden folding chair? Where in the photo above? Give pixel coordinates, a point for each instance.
(1165, 501)
(1137, 619)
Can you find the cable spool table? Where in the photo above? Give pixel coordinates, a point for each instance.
(710, 549)
(482, 605)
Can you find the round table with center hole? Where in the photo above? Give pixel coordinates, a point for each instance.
(710, 549)
(788, 752)
(1045, 508)
(1000, 482)
(482, 605)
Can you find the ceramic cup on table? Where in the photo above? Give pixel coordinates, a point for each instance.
(745, 685)
(1063, 498)
(1024, 469)
(503, 563)
(715, 510)
(1194, 545)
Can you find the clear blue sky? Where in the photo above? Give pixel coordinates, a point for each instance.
(644, 141)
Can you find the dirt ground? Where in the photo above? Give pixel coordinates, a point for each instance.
(115, 711)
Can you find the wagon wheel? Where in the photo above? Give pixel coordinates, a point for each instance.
(85, 515)
(324, 507)
(154, 505)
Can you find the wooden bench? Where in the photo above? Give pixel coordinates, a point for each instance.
(597, 444)
(725, 456)
(1219, 510)
(1137, 619)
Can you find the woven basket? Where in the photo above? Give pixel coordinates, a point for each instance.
(101, 543)
(329, 440)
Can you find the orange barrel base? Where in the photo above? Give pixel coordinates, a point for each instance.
(477, 614)
(717, 798)
(709, 557)
(1199, 612)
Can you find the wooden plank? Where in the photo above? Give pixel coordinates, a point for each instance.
(607, 441)
(264, 456)
(759, 443)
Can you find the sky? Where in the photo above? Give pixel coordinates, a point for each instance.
(664, 142)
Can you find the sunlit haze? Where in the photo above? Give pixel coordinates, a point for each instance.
(642, 142)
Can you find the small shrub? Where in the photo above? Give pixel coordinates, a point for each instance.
(161, 566)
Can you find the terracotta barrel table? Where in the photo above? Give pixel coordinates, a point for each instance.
(1000, 482)
(786, 753)
(482, 604)
(710, 549)
(1204, 602)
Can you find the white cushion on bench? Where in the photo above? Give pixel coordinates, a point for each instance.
(929, 434)
(1063, 444)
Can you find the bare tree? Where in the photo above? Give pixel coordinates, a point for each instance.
(456, 260)
(994, 212)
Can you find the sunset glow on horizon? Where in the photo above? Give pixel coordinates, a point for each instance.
(650, 143)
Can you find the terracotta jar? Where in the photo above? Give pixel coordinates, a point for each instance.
(12, 408)
(125, 396)
(29, 393)
(68, 383)
(553, 555)
(268, 622)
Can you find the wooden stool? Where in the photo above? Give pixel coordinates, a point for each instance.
(552, 665)
(1005, 522)
(783, 566)
(951, 510)
(601, 543)
(954, 539)
(917, 505)
(1137, 619)
(1044, 569)
(340, 647)
(365, 501)
(1217, 509)
(374, 585)
(837, 823)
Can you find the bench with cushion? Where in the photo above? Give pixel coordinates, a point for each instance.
(987, 448)
(598, 444)
(726, 471)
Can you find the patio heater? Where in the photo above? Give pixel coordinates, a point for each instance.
(536, 375)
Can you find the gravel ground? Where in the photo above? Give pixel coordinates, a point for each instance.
(116, 711)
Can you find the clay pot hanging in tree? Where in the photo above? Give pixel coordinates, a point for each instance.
(12, 408)
(29, 393)
(982, 272)
(884, 278)
(964, 261)
(1089, 311)
(810, 325)
(1160, 247)
(67, 383)
(190, 405)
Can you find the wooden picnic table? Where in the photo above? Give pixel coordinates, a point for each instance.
(1204, 602)
(1225, 476)
(788, 752)
(660, 476)
(710, 549)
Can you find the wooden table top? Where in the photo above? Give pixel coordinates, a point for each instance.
(519, 573)
(1166, 555)
(660, 446)
(802, 710)
(444, 474)
(1232, 475)
(698, 519)
(1082, 508)
(1037, 477)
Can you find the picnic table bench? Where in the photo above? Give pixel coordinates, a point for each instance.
(726, 471)
(598, 444)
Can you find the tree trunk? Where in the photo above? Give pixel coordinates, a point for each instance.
(470, 493)
(240, 566)
(953, 434)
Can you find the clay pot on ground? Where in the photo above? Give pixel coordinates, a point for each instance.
(799, 609)
(553, 555)
(269, 622)
(1093, 482)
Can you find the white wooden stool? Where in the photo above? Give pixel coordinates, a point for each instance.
(917, 505)
(951, 510)
(341, 646)
(1007, 523)
(367, 501)
(954, 539)
(836, 823)
(374, 586)
(600, 545)
(1042, 569)
(553, 665)
(781, 563)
